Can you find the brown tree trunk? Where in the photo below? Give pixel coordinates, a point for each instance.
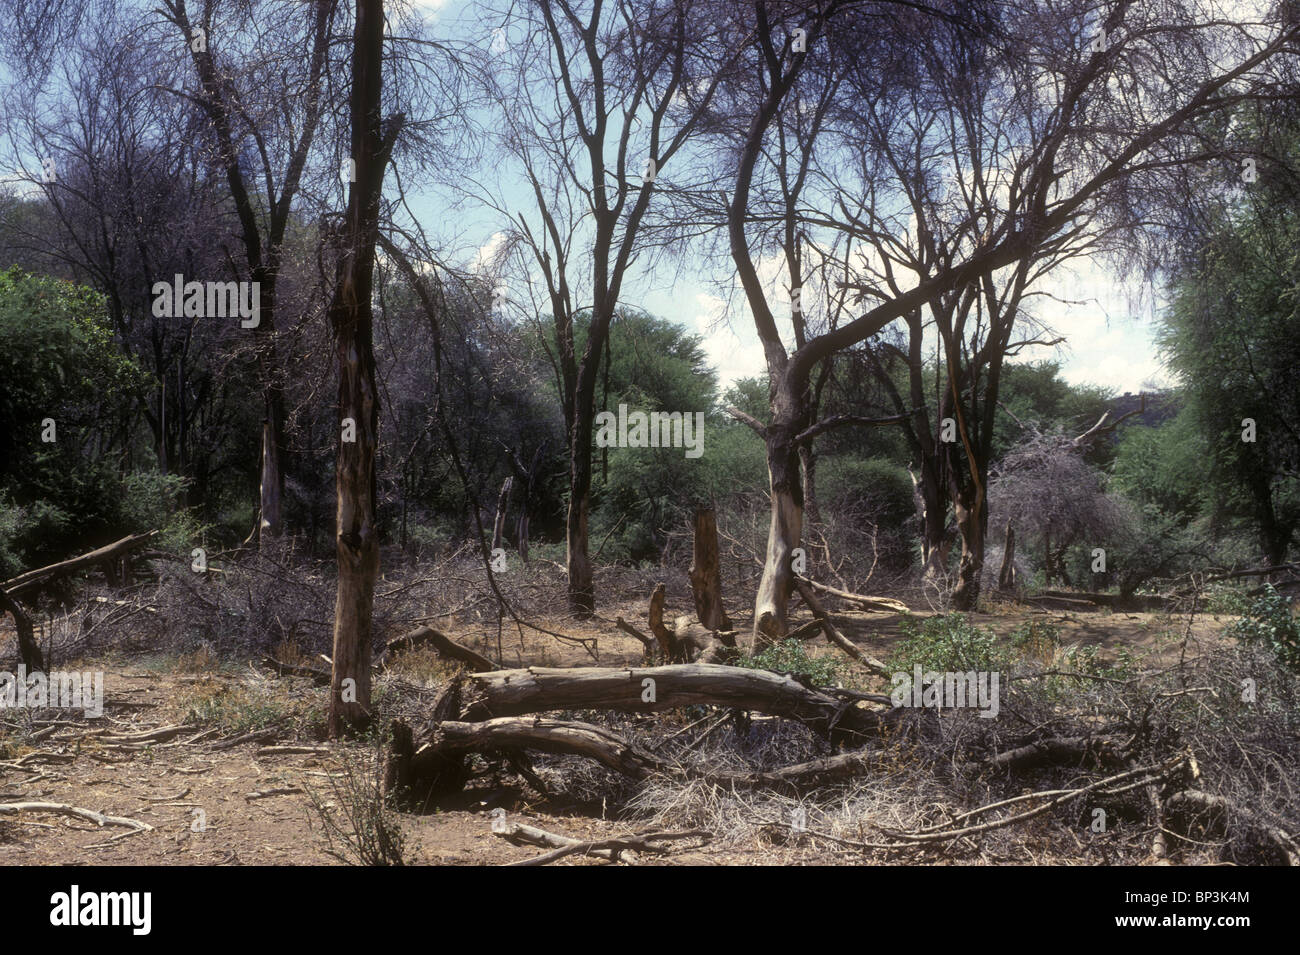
(582, 588)
(352, 320)
(970, 524)
(29, 651)
(706, 572)
(932, 507)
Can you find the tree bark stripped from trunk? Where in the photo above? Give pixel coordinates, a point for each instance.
(352, 319)
(269, 523)
(706, 572)
(499, 524)
(1007, 572)
(785, 528)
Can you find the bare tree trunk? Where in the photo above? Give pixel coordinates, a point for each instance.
(29, 651)
(1007, 572)
(352, 319)
(499, 523)
(521, 534)
(783, 535)
(932, 508)
(808, 468)
(270, 524)
(970, 524)
(706, 572)
(582, 588)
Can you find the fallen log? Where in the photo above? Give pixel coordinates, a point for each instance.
(31, 578)
(63, 809)
(319, 677)
(446, 647)
(884, 604)
(424, 766)
(482, 696)
(519, 833)
(1057, 751)
(549, 736)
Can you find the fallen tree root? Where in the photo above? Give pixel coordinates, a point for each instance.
(1213, 810)
(63, 809)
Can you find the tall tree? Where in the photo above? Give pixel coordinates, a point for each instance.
(258, 113)
(352, 318)
(1097, 103)
(596, 99)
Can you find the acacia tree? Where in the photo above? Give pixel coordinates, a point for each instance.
(1082, 118)
(262, 121)
(595, 100)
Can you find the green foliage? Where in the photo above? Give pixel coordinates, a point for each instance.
(1163, 466)
(789, 656)
(58, 361)
(946, 643)
(1269, 621)
(1148, 543)
(638, 493)
(1231, 336)
(1036, 638)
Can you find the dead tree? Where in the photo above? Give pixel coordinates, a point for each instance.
(352, 319)
(706, 572)
(499, 522)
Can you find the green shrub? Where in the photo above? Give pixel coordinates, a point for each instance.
(1269, 621)
(947, 643)
(789, 656)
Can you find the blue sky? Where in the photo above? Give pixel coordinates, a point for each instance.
(1108, 323)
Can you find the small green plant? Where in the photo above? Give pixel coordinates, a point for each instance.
(947, 643)
(1036, 638)
(1223, 601)
(1269, 621)
(789, 656)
